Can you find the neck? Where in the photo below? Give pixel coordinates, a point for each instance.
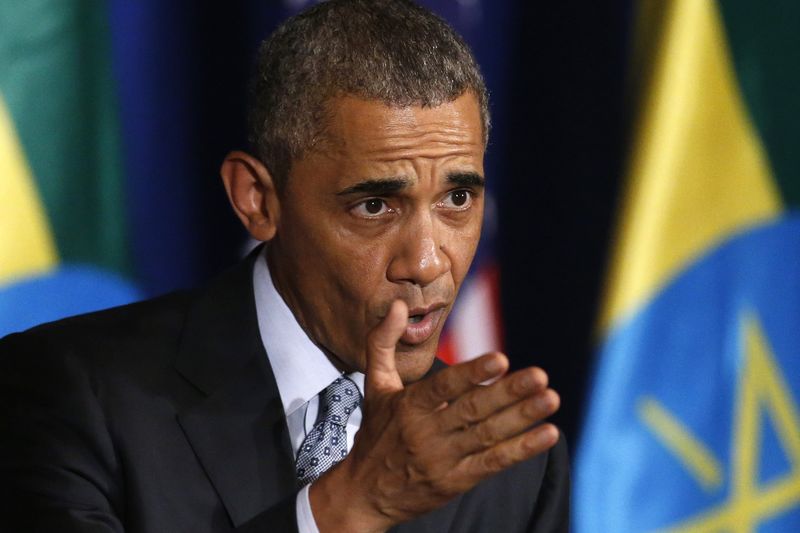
(277, 271)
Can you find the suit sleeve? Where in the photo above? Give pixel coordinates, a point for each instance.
(57, 461)
(552, 504)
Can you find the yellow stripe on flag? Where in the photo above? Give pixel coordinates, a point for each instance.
(26, 244)
(698, 171)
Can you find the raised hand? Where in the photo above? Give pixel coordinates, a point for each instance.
(422, 444)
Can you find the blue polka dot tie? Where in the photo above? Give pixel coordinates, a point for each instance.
(326, 443)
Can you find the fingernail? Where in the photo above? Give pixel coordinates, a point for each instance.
(543, 403)
(538, 407)
(550, 437)
(493, 365)
(525, 382)
(542, 438)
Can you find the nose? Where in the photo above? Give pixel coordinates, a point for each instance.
(420, 256)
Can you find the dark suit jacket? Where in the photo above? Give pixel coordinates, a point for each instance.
(164, 416)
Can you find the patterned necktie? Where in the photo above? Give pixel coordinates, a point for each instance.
(326, 443)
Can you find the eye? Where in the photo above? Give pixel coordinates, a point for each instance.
(371, 208)
(458, 199)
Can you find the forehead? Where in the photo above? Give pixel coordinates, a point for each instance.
(368, 127)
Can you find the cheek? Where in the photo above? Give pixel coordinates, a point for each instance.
(360, 267)
(460, 246)
(352, 269)
(347, 266)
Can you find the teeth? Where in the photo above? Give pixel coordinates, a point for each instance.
(414, 318)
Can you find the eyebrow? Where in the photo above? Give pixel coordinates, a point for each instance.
(466, 179)
(386, 186)
(376, 186)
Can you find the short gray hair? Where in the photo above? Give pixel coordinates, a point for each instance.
(393, 51)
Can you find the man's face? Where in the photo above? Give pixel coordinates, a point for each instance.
(390, 207)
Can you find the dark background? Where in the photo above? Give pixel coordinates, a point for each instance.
(556, 72)
(565, 154)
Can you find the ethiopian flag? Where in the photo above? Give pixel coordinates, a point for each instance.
(694, 419)
(62, 221)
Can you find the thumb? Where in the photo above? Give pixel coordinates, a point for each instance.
(382, 375)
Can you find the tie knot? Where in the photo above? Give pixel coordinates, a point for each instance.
(339, 400)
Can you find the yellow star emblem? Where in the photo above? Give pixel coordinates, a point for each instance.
(761, 389)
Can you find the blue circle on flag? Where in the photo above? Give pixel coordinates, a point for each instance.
(667, 442)
(67, 290)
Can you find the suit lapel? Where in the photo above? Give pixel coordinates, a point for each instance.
(238, 430)
(240, 438)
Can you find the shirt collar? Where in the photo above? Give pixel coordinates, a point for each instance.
(301, 368)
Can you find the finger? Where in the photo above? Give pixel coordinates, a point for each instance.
(507, 423)
(450, 383)
(481, 402)
(510, 452)
(381, 371)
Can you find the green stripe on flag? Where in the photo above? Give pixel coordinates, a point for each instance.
(55, 75)
(764, 38)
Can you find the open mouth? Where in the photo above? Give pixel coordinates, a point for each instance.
(422, 323)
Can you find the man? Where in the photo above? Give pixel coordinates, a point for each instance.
(235, 407)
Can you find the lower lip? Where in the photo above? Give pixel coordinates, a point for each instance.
(419, 332)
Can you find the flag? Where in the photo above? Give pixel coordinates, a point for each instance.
(62, 224)
(693, 423)
(113, 124)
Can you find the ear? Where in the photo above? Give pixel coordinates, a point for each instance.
(252, 193)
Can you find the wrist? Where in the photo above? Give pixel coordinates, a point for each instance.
(339, 503)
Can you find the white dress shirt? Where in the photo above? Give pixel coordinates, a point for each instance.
(302, 371)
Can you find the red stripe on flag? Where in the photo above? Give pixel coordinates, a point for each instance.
(446, 351)
(475, 326)
(492, 273)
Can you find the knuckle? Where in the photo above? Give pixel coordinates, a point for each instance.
(485, 435)
(539, 439)
(542, 405)
(441, 488)
(533, 409)
(469, 410)
(530, 446)
(442, 386)
(495, 461)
